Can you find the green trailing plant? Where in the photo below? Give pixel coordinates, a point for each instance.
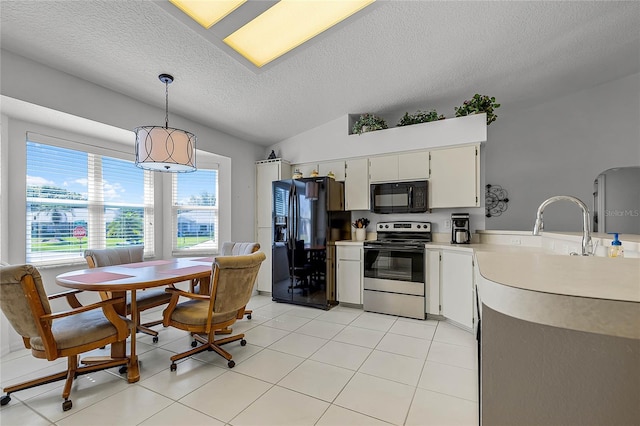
(369, 122)
(420, 117)
(479, 104)
(363, 222)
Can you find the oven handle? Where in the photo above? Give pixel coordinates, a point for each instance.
(394, 248)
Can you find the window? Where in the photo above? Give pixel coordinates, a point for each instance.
(78, 200)
(194, 209)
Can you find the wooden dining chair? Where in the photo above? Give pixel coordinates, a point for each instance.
(55, 335)
(145, 299)
(230, 248)
(231, 288)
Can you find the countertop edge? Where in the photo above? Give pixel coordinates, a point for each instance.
(600, 316)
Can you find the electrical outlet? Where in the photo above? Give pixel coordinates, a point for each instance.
(515, 241)
(447, 224)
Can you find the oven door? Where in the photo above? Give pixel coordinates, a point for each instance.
(395, 263)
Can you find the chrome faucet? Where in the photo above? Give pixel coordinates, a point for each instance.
(587, 247)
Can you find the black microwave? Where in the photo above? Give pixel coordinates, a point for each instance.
(399, 197)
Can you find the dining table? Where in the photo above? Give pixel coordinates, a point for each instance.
(117, 280)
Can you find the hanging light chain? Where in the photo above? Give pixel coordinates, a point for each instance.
(166, 109)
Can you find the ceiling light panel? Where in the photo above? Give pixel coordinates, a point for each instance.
(207, 12)
(288, 24)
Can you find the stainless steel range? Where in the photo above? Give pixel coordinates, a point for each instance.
(394, 269)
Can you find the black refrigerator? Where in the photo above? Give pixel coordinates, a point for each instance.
(308, 217)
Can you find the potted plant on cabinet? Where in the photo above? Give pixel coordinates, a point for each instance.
(420, 117)
(361, 228)
(479, 104)
(368, 123)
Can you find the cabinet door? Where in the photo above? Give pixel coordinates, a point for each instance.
(265, 174)
(383, 169)
(457, 287)
(433, 302)
(413, 166)
(455, 177)
(356, 184)
(349, 274)
(264, 273)
(337, 167)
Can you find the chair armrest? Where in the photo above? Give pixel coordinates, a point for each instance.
(183, 293)
(75, 311)
(72, 300)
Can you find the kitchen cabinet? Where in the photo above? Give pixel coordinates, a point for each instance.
(349, 273)
(383, 168)
(356, 184)
(337, 167)
(267, 171)
(432, 289)
(455, 177)
(413, 166)
(457, 287)
(406, 166)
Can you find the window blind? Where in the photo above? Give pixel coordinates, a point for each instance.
(78, 200)
(195, 211)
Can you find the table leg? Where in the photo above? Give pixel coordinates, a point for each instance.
(133, 373)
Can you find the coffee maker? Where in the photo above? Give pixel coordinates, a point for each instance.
(460, 228)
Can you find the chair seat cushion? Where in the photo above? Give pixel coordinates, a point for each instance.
(149, 298)
(77, 330)
(194, 312)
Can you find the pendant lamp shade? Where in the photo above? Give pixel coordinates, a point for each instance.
(165, 149)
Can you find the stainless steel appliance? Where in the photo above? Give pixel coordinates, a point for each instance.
(616, 201)
(399, 197)
(460, 228)
(394, 269)
(308, 216)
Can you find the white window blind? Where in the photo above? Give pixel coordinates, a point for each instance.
(78, 200)
(194, 210)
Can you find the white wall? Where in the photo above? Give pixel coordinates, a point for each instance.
(559, 148)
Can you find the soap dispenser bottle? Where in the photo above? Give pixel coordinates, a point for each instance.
(616, 249)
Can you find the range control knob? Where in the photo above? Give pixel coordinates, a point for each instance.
(419, 226)
(386, 226)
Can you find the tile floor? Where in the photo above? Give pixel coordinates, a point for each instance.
(301, 366)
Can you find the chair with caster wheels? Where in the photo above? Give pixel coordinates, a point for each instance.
(55, 335)
(203, 315)
(145, 299)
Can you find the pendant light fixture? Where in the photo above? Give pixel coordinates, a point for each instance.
(165, 149)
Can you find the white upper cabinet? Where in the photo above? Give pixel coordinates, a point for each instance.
(305, 169)
(455, 177)
(413, 166)
(266, 172)
(356, 184)
(383, 168)
(406, 166)
(336, 167)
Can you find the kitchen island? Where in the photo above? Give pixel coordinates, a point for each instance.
(560, 338)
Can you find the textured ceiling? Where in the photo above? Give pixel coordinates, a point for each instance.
(396, 56)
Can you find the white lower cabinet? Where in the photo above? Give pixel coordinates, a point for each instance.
(433, 302)
(349, 274)
(456, 278)
(264, 274)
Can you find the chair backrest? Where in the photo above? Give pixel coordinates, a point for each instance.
(233, 279)
(114, 256)
(230, 248)
(23, 299)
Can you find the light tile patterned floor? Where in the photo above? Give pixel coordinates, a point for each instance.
(301, 366)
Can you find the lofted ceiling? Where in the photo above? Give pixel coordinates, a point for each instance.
(393, 56)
